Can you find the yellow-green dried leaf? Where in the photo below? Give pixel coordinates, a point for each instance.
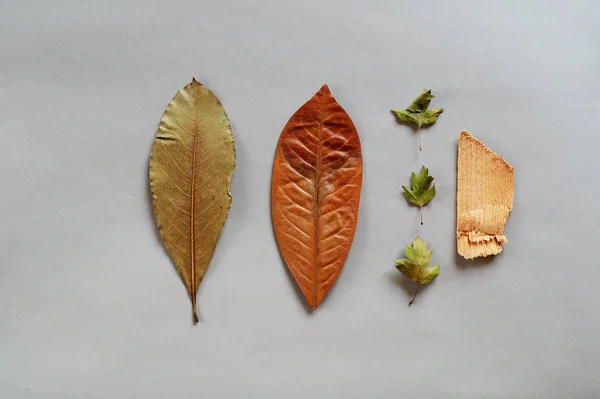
(191, 165)
(416, 265)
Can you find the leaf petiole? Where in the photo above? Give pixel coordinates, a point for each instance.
(194, 312)
(416, 292)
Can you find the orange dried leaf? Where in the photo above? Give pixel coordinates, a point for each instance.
(317, 177)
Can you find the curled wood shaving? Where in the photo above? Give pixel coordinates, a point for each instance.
(485, 190)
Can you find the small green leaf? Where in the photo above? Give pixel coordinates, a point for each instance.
(421, 191)
(416, 265)
(417, 112)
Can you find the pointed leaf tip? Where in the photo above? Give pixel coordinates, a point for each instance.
(325, 89)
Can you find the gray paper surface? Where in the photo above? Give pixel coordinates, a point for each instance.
(90, 304)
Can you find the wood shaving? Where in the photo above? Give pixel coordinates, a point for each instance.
(485, 190)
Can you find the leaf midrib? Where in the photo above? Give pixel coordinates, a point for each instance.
(317, 208)
(192, 208)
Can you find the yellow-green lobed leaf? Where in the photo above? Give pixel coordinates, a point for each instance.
(416, 265)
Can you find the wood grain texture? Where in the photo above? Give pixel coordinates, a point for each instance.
(191, 166)
(315, 193)
(485, 189)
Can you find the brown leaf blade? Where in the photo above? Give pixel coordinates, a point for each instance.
(191, 166)
(315, 193)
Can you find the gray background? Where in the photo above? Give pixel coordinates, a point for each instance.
(90, 304)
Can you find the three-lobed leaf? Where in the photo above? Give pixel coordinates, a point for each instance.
(418, 112)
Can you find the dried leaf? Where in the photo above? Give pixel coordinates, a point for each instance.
(416, 265)
(317, 177)
(191, 166)
(420, 192)
(417, 112)
(485, 190)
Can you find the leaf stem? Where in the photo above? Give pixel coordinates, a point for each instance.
(416, 292)
(419, 134)
(421, 213)
(195, 312)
